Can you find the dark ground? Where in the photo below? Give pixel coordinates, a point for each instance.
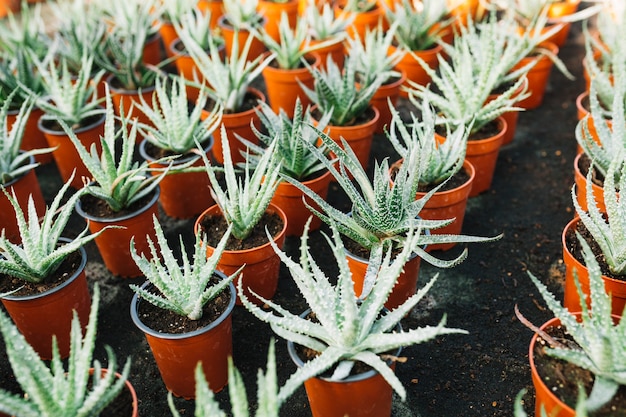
(459, 375)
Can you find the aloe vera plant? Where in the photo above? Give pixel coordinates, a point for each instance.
(185, 289)
(324, 24)
(243, 201)
(118, 179)
(600, 340)
(242, 14)
(358, 6)
(418, 28)
(25, 31)
(51, 390)
(267, 393)
(347, 329)
(196, 26)
(40, 253)
(173, 126)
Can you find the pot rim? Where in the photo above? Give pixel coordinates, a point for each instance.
(31, 160)
(291, 348)
(79, 209)
(72, 278)
(178, 161)
(76, 131)
(134, 306)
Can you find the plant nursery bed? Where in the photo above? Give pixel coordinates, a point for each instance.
(473, 375)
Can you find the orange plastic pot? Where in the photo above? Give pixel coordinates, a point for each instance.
(581, 188)
(389, 91)
(463, 10)
(359, 137)
(9, 7)
(272, 11)
(188, 68)
(262, 264)
(41, 316)
(335, 50)
(283, 85)
(538, 77)
(406, 284)
(450, 204)
(114, 244)
(33, 137)
(289, 199)
(483, 155)
(413, 70)
(361, 395)
(215, 7)
(152, 50)
(571, 301)
(237, 124)
(127, 98)
(185, 194)
(131, 390)
(66, 156)
(257, 47)
(23, 187)
(177, 355)
(364, 21)
(582, 111)
(556, 11)
(509, 117)
(168, 35)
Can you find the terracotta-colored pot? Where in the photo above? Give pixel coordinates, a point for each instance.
(188, 68)
(272, 11)
(23, 187)
(131, 391)
(262, 264)
(114, 244)
(215, 7)
(152, 50)
(283, 86)
(185, 194)
(364, 21)
(127, 98)
(359, 137)
(450, 204)
(582, 103)
(237, 124)
(335, 50)
(462, 10)
(41, 316)
(177, 355)
(581, 187)
(413, 70)
(9, 6)
(389, 91)
(406, 284)
(228, 33)
(168, 35)
(33, 137)
(544, 397)
(361, 395)
(509, 117)
(556, 11)
(571, 301)
(66, 156)
(538, 77)
(289, 199)
(483, 155)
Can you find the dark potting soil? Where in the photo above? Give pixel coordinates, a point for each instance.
(576, 249)
(165, 321)
(55, 126)
(214, 228)
(100, 209)
(250, 101)
(121, 406)
(563, 377)
(67, 268)
(455, 181)
(584, 164)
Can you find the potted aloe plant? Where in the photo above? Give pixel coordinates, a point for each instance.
(296, 161)
(245, 203)
(234, 92)
(17, 168)
(84, 388)
(325, 25)
(341, 330)
(70, 99)
(591, 340)
(42, 279)
(367, 15)
(185, 312)
(352, 118)
(172, 13)
(122, 191)
(438, 163)
(173, 130)
(267, 392)
(381, 216)
(238, 23)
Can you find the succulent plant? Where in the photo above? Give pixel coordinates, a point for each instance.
(243, 14)
(323, 23)
(172, 126)
(267, 393)
(18, 72)
(419, 24)
(581, 409)
(25, 31)
(196, 26)
(600, 340)
(40, 254)
(358, 6)
(51, 390)
(185, 289)
(347, 329)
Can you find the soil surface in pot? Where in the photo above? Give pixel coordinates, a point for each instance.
(215, 227)
(473, 375)
(561, 376)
